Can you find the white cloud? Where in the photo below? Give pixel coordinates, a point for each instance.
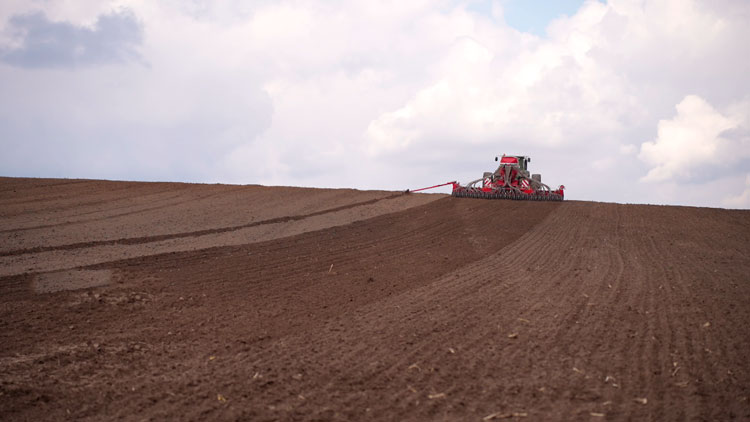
(628, 149)
(742, 200)
(171, 116)
(693, 143)
(391, 95)
(487, 91)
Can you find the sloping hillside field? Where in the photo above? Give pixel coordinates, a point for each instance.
(156, 301)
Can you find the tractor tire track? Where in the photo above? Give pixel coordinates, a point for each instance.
(155, 238)
(106, 215)
(202, 206)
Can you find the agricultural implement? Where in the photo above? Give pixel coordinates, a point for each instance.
(511, 180)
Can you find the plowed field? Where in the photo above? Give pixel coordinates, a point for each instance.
(154, 301)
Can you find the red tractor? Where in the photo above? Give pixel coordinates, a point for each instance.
(511, 180)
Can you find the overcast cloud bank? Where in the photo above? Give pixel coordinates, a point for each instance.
(625, 101)
(43, 43)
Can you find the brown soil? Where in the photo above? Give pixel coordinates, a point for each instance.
(234, 303)
(118, 220)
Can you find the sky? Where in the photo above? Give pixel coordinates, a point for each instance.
(628, 101)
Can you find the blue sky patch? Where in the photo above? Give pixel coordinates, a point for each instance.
(531, 16)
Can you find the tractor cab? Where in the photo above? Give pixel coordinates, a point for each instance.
(519, 160)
